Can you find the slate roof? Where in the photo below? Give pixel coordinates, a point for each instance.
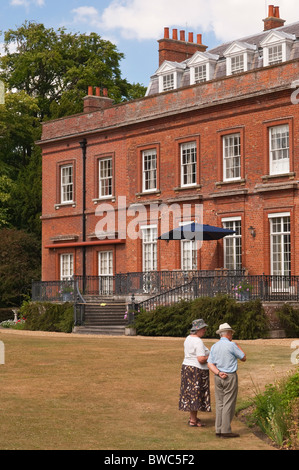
(220, 71)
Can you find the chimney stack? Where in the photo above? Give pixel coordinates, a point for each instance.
(273, 21)
(178, 50)
(96, 102)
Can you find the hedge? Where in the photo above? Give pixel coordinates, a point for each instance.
(46, 316)
(248, 319)
(289, 320)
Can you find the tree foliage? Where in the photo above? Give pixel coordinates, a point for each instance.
(56, 67)
(19, 264)
(46, 74)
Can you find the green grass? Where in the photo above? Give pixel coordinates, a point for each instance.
(70, 392)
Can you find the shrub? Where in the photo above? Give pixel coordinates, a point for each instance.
(6, 314)
(46, 316)
(289, 319)
(248, 319)
(19, 264)
(276, 411)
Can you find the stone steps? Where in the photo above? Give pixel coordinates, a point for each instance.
(103, 317)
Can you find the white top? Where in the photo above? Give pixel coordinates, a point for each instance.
(193, 348)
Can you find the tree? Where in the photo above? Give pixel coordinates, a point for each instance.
(20, 163)
(19, 264)
(56, 67)
(5, 189)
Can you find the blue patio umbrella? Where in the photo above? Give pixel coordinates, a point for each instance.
(196, 231)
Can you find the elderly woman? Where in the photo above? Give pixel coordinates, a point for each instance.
(195, 385)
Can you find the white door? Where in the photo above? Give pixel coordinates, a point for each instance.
(105, 272)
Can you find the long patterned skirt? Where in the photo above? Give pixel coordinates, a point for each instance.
(195, 389)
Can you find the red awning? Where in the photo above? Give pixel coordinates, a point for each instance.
(82, 244)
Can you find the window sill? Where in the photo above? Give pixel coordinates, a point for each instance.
(287, 185)
(240, 181)
(185, 188)
(65, 204)
(290, 175)
(104, 199)
(148, 193)
(230, 193)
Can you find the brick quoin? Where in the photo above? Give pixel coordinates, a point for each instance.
(248, 103)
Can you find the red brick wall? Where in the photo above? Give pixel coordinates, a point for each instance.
(248, 103)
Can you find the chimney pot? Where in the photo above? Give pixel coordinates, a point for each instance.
(273, 21)
(178, 51)
(105, 92)
(90, 91)
(271, 11)
(199, 39)
(98, 91)
(166, 33)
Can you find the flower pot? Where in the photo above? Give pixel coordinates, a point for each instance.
(129, 331)
(67, 297)
(244, 297)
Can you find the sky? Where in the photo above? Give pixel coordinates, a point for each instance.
(135, 26)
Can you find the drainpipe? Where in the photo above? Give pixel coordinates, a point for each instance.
(83, 145)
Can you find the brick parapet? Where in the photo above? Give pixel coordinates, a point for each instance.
(215, 92)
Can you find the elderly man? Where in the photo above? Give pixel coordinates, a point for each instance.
(223, 362)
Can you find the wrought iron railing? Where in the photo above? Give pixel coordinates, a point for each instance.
(147, 283)
(239, 287)
(165, 288)
(54, 291)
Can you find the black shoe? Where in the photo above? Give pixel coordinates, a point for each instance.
(230, 435)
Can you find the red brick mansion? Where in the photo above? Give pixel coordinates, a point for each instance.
(218, 130)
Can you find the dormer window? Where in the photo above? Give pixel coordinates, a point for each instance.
(168, 82)
(170, 75)
(200, 73)
(275, 54)
(277, 47)
(239, 57)
(237, 64)
(202, 67)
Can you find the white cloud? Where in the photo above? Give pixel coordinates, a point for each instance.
(143, 19)
(89, 15)
(27, 3)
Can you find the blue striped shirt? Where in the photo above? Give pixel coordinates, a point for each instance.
(225, 355)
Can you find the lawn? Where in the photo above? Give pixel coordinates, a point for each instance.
(62, 391)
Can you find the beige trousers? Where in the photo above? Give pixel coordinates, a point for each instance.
(226, 392)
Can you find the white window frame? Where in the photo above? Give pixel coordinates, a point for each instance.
(232, 242)
(105, 178)
(149, 248)
(279, 153)
(237, 63)
(275, 54)
(67, 187)
(105, 270)
(149, 172)
(282, 234)
(189, 167)
(168, 81)
(230, 157)
(66, 266)
(200, 73)
(188, 252)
